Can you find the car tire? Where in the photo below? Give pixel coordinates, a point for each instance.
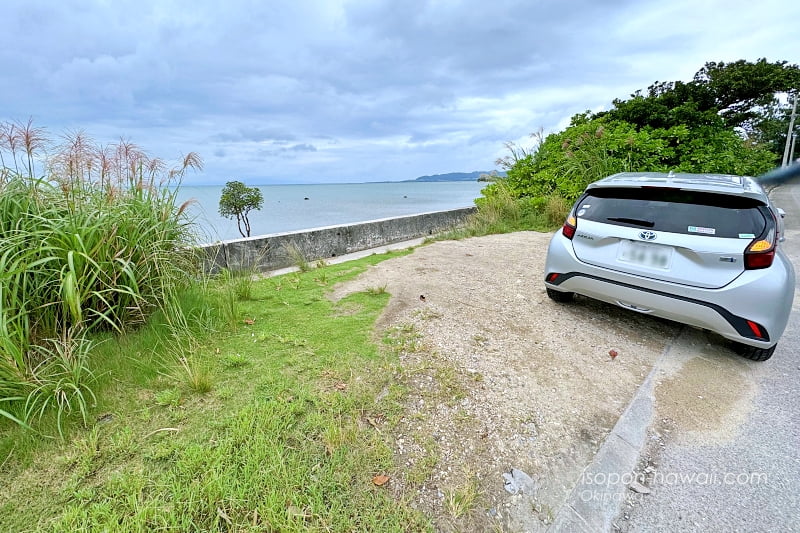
(755, 354)
(560, 297)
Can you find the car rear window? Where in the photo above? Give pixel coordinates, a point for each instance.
(674, 211)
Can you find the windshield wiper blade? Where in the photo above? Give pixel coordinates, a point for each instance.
(635, 221)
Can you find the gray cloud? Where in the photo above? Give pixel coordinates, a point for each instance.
(303, 148)
(356, 90)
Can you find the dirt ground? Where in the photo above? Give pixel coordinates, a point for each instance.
(499, 377)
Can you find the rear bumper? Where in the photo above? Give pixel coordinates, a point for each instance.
(690, 311)
(753, 309)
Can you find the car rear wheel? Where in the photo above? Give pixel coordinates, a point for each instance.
(560, 297)
(755, 354)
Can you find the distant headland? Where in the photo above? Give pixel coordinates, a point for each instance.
(463, 176)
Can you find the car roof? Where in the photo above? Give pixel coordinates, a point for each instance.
(714, 183)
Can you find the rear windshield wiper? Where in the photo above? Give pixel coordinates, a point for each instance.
(636, 221)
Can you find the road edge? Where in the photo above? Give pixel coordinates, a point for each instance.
(602, 487)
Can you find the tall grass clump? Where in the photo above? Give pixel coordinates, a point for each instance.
(498, 207)
(94, 243)
(296, 255)
(556, 209)
(499, 210)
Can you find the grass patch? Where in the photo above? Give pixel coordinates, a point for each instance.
(425, 461)
(378, 290)
(95, 245)
(298, 258)
(461, 500)
(404, 338)
(499, 210)
(257, 426)
(238, 284)
(426, 313)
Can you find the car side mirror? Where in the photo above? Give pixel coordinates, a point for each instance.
(782, 213)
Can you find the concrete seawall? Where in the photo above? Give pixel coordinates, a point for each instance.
(271, 252)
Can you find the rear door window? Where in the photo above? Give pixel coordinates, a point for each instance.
(674, 211)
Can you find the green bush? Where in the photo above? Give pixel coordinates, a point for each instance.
(708, 125)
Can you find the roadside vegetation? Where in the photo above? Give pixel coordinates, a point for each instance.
(729, 119)
(138, 394)
(96, 246)
(270, 412)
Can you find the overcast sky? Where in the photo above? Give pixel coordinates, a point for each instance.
(283, 91)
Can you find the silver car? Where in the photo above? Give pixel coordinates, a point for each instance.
(700, 249)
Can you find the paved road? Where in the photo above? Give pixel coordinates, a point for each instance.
(724, 451)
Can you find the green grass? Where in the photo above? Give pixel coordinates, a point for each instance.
(276, 438)
(461, 500)
(499, 211)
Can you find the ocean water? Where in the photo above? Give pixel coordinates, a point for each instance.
(299, 207)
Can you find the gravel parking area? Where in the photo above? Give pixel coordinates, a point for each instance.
(499, 377)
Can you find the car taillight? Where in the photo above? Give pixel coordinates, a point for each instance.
(754, 261)
(760, 253)
(570, 225)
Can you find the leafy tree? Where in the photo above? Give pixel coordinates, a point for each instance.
(742, 89)
(668, 104)
(739, 95)
(593, 148)
(726, 120)
(238, 200)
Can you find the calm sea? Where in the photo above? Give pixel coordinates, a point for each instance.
(299, 207)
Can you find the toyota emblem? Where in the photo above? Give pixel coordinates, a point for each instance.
(647, 235)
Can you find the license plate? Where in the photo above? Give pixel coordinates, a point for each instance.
(644, 254)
